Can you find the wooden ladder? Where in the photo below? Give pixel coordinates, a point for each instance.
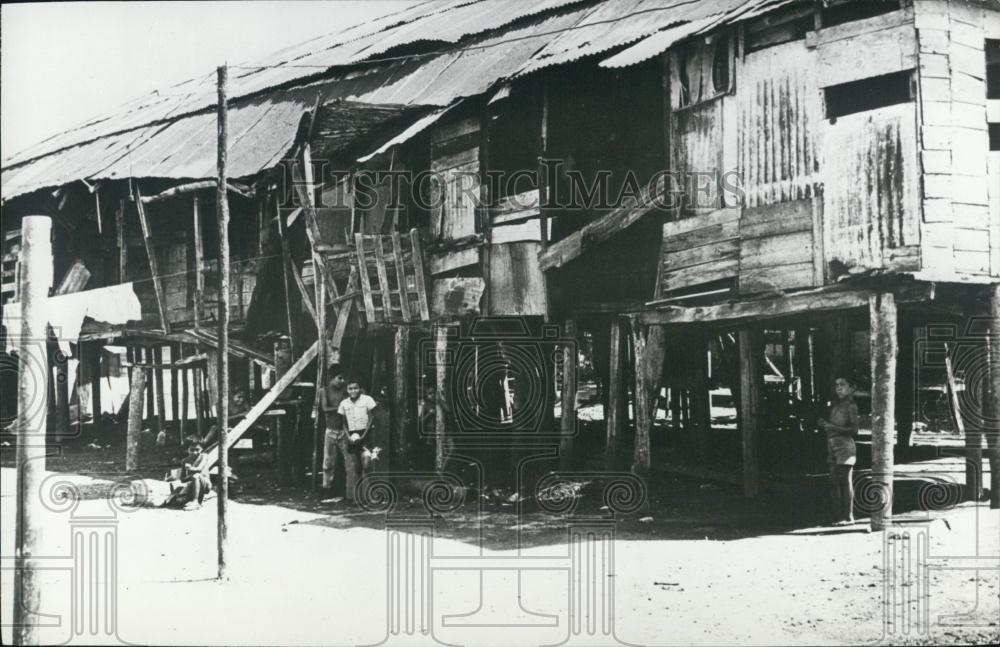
(391, 269)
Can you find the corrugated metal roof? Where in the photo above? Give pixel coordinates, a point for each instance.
(620, 22)
(445, 21)
(172, 134)
(261, 132)
(702, 18)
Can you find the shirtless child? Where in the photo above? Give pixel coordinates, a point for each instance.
(841, 429)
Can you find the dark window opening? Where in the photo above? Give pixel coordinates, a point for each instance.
(994, 137)
(868, 94)
(992, 69)
(840, 13)
(720, 65)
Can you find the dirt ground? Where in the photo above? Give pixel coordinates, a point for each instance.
(699, 565)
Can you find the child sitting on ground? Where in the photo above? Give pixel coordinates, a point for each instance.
(194, 480)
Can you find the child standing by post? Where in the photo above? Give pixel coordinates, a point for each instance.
(356, 409)
(841, 430)
(335, 439)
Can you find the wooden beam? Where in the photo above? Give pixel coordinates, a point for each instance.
(402, 420)
(161, 405)
(122, 243)
(808, 302)
(567, 427)
(233, 187)
(418, 272)
(701, 410)
(992, 400)
(751, 350)
(383, 278)
(262, 405)
(135, 402)
(882, 313)
(147, 239)
(613, 416)
(404, 297)
(199, 264)
(562, 252)
(318, 428)
(175, 412)
(647, 349)
(440, 375)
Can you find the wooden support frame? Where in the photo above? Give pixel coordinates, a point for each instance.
(159, 374)
(440, 376)
(181, 189)
(700, 398)
(199, 264)
(750, 344)
(567, 427)
(95, 389)
(402, 419)
(265, 402)
(992, 399)
(884, 345)
(809, 301)
(147, 239)
(121, 240)
(615, 415)
(648, 354)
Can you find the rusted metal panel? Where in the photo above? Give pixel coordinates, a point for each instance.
(780, 111)
(870, 199)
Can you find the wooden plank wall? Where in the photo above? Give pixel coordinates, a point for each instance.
(516, 284)
(698, 250)
(956, 223)
(776, 247)
(455, 157)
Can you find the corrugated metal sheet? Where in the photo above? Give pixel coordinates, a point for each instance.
(181, 145)
(780, 110)
(871, 190)
(620, 22)
(261, 132)
(694, 19)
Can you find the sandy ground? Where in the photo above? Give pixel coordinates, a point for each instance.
(708, 569)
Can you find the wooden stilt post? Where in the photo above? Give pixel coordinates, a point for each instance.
(159, 373)
(95, 389)
(146, 357)
(197, 377)
(285, 448)
(319, 428)
(973, 438)
(286, 272)
(992, 399)
(750, 344)
(175, 412)
(62, 396)
(613, 416)
(440, 427)
(647, 349)
(802, 363)
(135, 402)
(701, 412)
(185, 375)
(33, 288)
(905, 385)
(567, 429)
(223, 406)
(882, 313)
(402, 420)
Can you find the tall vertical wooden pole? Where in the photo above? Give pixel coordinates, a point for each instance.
(185, 396)
(318, 427)
(175, 402)
(62, 396)
(134, 429)
(95, 388)
(569, 386)
(616, 389)
(641, 459)
(223, 404)
(440, 428)
(159, 374)
(401, 398)
(701, 410)
(32, 402)
(883, 335)
(751, 346)
(992, 400)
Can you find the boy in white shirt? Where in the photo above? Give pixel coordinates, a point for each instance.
(357, 410)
